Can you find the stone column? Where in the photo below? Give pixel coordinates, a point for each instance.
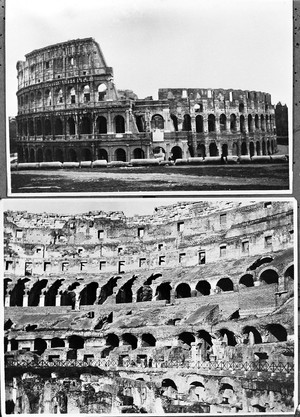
(217, 123)
(109, 122)
(7, 300)
(42, 300)
(57, 300)
(227, 129)
(9, 345)
(25, 299)
(127, 122)
(193, 123)
(205, 123)
(246, 123)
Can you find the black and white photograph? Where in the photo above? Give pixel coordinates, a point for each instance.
(156, 306)
(129, 96)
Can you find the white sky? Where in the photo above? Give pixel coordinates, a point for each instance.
(152, 44)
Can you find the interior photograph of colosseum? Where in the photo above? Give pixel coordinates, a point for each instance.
(155, 306)
(169, 120)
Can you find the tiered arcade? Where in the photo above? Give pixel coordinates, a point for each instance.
(189, 304)
(69, 110)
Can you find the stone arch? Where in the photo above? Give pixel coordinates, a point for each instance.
(262, 122)
(250, 123)
(228, 337)
(242, 124)
(157, 122)
(86, 125)
(71, 126)
(257, 148)
(213, 150)
(224, 150)
(163, 291)
(244, 150)
(39, 130)
(251, 149)
(253, 335)
(140, 123)
(166, 383)
(211, 123)
(199, 123)
(203, 287)
(119, 124)
(260, 261)
(129, 340)
(269, 276)
(17, 293)
(31, 127)
(76, 342)
(39, 346)
(59, 155)
(235, 149)
(112, 340)
(56, 342)
(256, 121)
(148, 340)
(268, 147)
(58, 126)
(88, 294)
(183, 290)
(72, 155)
(102, 88)
(35, 292)
(225, 284)
(39, 155)
(246, 281)
(101, 125)
(51, 294)
(175, 122)
(144, 294)
(120, 155)
(187, 338)
(86, 154)
(233, 125)
(201, 150)
(263, 144)
(102, 154)
(86, 93)
(32, 155)
(176, 152)
(48, 155)
(277, 333)
(289, 277)
(138, 153)
(186, 125)
(223, 120)
(26, 155)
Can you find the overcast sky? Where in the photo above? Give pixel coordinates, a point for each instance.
(152, 44)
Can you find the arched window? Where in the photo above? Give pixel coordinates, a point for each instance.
(225, 284)
(120, 155)
(199, 124)
(269, 277)
(86, 94)
(157, 122)
(222, 122)
(246, 281)
(242, 124)
(250, 123)
(213, 150)
(119, 124)
(86, 125)
(101, 125)
(241, 107)
(58, 127)
(186, 126)
(101, 92)
(203, 287)
(233, 126)
(187, 338)
(175, 122)
(183, 291)
(176, 152)
(211, 123)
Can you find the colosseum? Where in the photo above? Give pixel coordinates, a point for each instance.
(69, 110)
(189, 310)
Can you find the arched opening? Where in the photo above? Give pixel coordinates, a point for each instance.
(107, 289)
(119, 124)
(102, 154)
(72, 155)
(26, 155)
(39, 127)
(39, 155)
(39, 346)
(228, 337)
(157, 122)
(112, 340)
(51, 294)
(17, 293)
(101, 125)
(262, 123)
(86, 94)
(140, 123)
(124, 295)
(250, 125)
(241, 107)
(213, 150)
(86, 154)
(14, 344)
(257, 148)
(138, 153)
(242, 124)
(235, 149)
(35, 293)
(57, 342)
(246, 281)
(163, 291)
(120, 155)
(166, 383)
(175, 122)
(72, 95)
(76, 342)
(71, 126)
(148, 340)
(256, 121)
(204, 345)
(224, 150)
(244, 150)
(269, 277)
(272, 147)
(211, 123)
(199, 124)
(196, 391)
(201, 150)
(48, 155)
(102, 88)
(260, 261)
(86, 126)
(88, 294)
(186, 338)
(263, 147)
(225, 284)
(144, 294)
(31, 128)
(277, 333)
(130, 340)
(222, 122)
(289, 278)
(233, 125)
(268, 147)
(183, 290)
(226, 390)
(59, 155)
(253, 336)
(58, 127)
(251, 148)
(31, 155)
(186, 125)
(203, 287)
(176, 152)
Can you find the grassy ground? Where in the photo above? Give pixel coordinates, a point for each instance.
(176, 178)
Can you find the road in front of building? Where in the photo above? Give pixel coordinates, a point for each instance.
(176, 178)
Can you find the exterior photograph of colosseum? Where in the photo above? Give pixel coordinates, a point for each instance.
(185, 307)
(72, 121)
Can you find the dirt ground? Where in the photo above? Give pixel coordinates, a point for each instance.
(152, 179)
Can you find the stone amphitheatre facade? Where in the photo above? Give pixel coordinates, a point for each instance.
(190, 309)
(69, 110)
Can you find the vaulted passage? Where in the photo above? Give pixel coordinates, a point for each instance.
(277, 333)
(119, 124)
(246, 281)
(130, 340)
(17, 293)
(148, 340)
(40, 346)
(183, 291)
(144, 293)
(120, 155)
(253, 336)
(269, 277)
(186, 338)
(203, 287)
(225, 284)
(213, 150)
(163, 291)
(88, 294)
(177, 152)
(228, 337)
(107, 289)
(57, 342)
(124, 294)
(35, 293)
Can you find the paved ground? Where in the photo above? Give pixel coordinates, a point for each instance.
(179, 178)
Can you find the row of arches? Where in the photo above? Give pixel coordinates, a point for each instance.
(92, 293)
(57, 126)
